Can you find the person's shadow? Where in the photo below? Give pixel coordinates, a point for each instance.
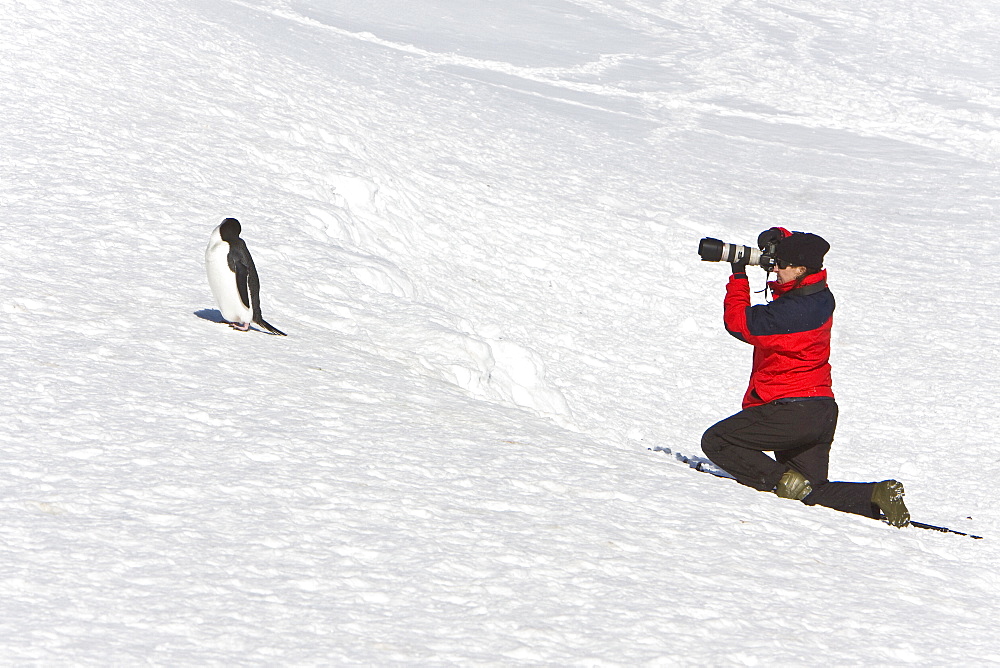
(697, 463)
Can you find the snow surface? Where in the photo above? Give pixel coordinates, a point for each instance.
(477, 222)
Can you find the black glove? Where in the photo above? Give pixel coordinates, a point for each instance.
(768, 237)
(740, 266)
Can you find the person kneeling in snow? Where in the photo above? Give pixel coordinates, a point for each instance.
(789, 407)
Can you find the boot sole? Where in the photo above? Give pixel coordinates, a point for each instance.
(888, 496)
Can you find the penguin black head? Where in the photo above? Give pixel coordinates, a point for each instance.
(229, 230)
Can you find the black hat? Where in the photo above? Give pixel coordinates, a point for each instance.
(802, 249)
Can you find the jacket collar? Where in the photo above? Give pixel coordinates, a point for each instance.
(778, 289)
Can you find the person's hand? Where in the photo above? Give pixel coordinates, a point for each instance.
(769, 237)
(739, 267)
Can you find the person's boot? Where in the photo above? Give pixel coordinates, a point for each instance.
(793, 485)
(888, 496)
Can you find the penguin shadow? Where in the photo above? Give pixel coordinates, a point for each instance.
(215, 315)
(211, 314)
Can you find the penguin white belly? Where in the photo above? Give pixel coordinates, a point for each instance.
(222, 280)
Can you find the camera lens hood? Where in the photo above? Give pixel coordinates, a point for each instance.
(710, 249)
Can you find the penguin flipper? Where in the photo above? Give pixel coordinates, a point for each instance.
(246, 274)
(249, 283)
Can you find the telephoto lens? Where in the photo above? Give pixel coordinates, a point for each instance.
(713, 250)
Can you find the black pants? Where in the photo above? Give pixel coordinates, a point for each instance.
(800, 434)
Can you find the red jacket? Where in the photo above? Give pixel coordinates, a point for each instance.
(790, 338)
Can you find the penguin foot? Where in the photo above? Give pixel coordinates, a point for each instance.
(241, 326)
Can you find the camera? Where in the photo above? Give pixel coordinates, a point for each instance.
(714, 250)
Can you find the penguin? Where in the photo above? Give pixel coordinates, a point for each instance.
(233, 278)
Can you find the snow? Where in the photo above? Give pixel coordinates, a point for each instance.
(478, 223)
